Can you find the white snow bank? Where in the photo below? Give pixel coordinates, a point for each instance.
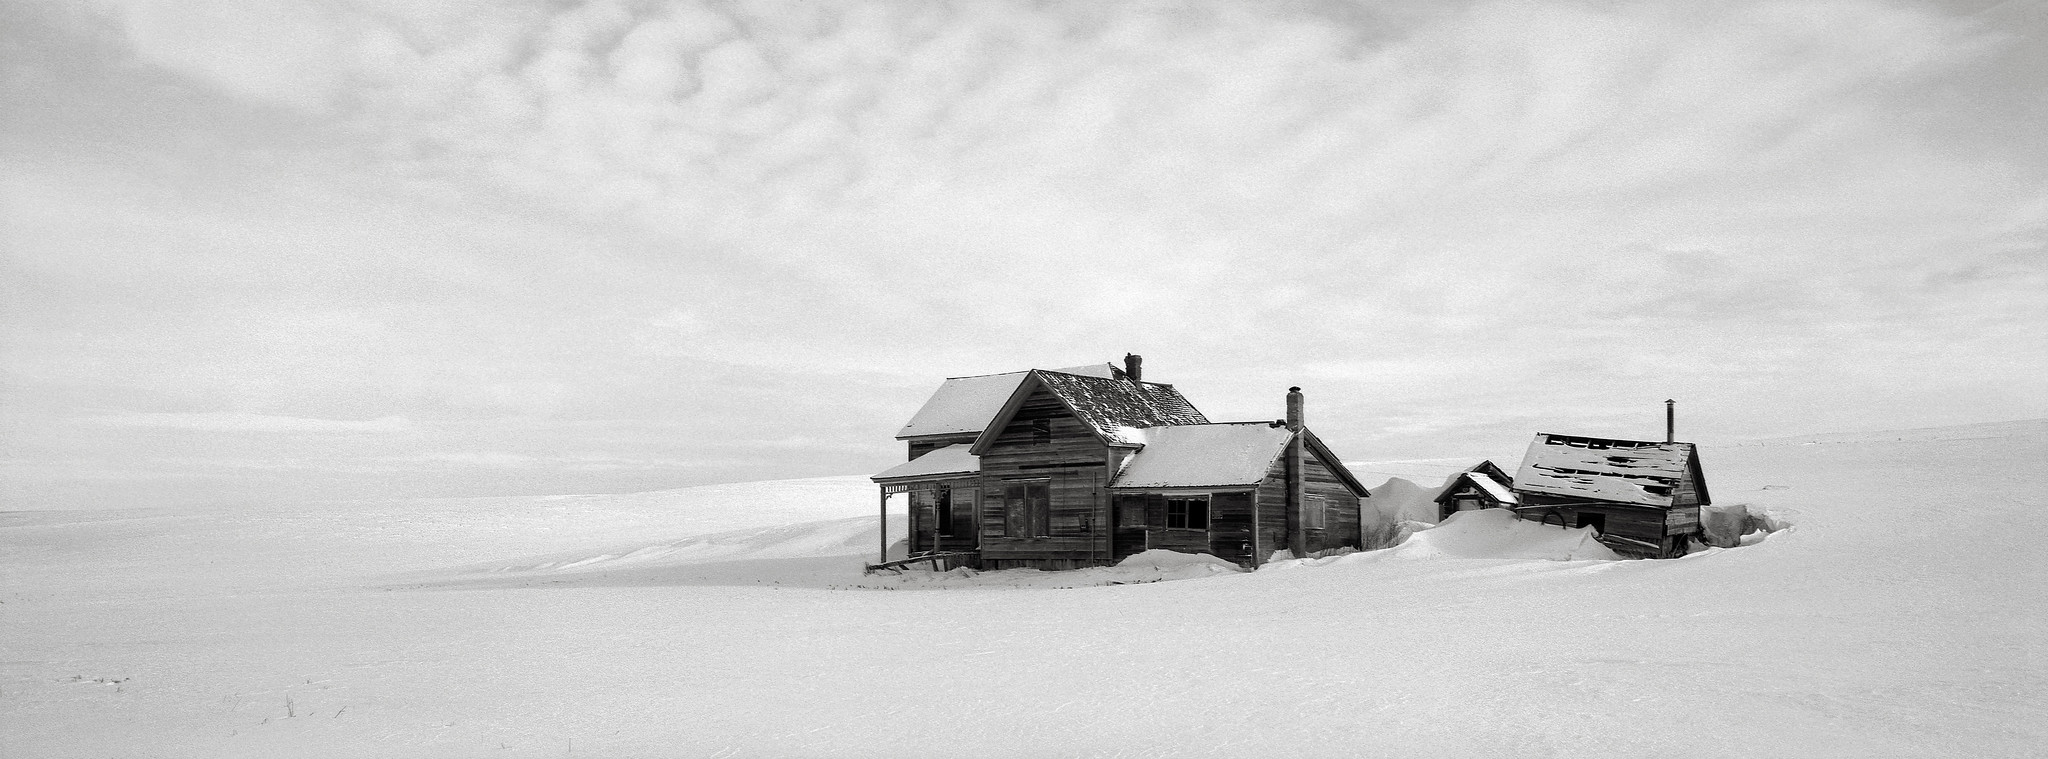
(1160, 558)
(1499, 534)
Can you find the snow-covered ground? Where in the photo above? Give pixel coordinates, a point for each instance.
(1902, 614)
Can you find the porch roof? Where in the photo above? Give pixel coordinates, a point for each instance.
(950, 461)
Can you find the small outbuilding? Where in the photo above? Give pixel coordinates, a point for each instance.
(1484, 486)
(1642, 498)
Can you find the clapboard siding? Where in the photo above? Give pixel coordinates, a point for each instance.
(1342, 520)
(1230, 526)
(1667, 528)
(1073, 463)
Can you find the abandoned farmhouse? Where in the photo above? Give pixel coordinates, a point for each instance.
(1086, 466)
(1089, 465)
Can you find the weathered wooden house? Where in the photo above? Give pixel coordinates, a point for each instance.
(1083, 468)
(1642, 498)
(1484, 486)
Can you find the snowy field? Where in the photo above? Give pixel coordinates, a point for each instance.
(1902, 614)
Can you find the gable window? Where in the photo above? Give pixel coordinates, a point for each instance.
(1188, 512)
(1315, 511)
(1041, 431)
(1026, 509)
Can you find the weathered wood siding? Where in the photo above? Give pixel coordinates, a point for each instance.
(1343, 519)
(1230, 527)
(1073, 463)
(1666, 529)
(1686, 494)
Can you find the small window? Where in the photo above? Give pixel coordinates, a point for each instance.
(1314, 512)
(1190, 513)
(1041, 431)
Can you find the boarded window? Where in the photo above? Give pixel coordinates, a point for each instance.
(1025, 509)
(1188, 513)
(1130, 511)
(1315, 512)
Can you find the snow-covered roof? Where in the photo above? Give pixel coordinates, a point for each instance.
(950, 460)
(1601, 469)
(1115, 406)
(966, 404)
(1204, 455)
(1493, 487)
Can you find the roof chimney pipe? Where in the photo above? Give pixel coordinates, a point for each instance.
(1134, 367)
(1670, 421)
(1294, 402)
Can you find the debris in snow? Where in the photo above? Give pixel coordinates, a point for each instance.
(1732, 525)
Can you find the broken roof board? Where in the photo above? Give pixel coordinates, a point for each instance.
(1204, 455)
(1111, 407)
(1600, 469)
(951, 460)
(966, 404)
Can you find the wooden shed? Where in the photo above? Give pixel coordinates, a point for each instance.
(1642, 498)
(1073, 469)
(1484, 486)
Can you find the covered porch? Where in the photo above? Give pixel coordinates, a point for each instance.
(941, 490)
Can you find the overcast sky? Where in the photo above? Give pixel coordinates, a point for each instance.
(267, 250)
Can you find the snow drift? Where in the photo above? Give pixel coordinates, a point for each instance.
(1499, 534)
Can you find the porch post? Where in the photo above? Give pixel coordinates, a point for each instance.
(882, 527)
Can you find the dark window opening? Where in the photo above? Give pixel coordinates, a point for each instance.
(1191, 513)
(1041, 431)
(1596, 521)
(945, 520)
(1026, 509)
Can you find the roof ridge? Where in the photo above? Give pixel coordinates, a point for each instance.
(991, 374)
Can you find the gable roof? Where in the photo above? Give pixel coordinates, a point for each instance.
(1487, 477)
(966, 404)
(1110, 407)
(1224, 454)
(1605, 469)
(952, 460)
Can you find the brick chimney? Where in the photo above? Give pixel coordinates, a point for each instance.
(1134, 367)
(1294, 401)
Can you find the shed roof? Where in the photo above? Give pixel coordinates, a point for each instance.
(1111, 407)
(943, 462)
(1604, 469)
(966, 404)
(1204, 455)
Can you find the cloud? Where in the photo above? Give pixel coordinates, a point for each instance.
(531, 226)
(246, 422)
